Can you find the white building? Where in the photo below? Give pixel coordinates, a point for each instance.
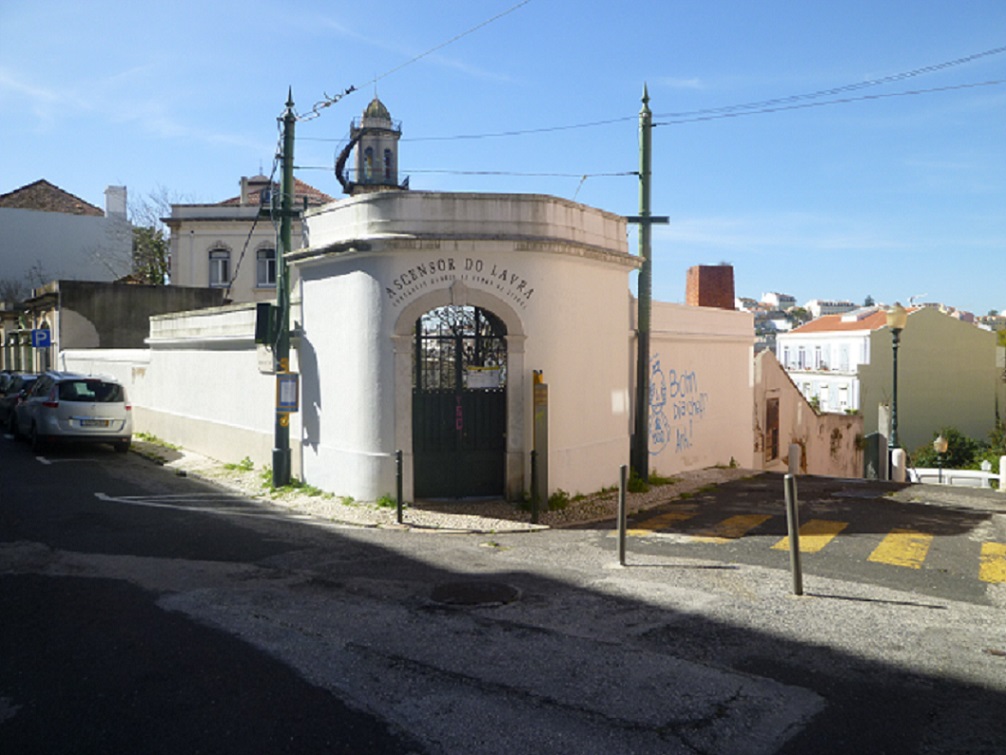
(778, 301)
(822, 307)
(430, 323)
(47, 233)
(947, 371)
(231, 245)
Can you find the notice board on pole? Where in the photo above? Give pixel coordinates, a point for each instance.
(540, 438)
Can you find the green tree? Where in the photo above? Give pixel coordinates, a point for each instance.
(962, 452)
(798, 316)
(151, 258)
(868, 301)
(150, 255)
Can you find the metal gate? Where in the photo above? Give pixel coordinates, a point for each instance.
(459, 403)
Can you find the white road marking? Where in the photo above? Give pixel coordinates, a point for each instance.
(176, 502)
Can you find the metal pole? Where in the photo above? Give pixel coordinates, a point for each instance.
(642, 451)
(398, 483)
(623, 478)
(281, 447)
(896, 339)
(534, 487)
(793, 530)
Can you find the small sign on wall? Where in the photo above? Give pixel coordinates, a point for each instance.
(288, 392)
(484, 377)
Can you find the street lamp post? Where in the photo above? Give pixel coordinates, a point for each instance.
(897, 318)
(940, 447)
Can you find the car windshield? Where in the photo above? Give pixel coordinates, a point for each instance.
(90, 390)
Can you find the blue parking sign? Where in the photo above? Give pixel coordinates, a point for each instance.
(42, 338)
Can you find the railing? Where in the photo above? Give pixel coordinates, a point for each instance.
(965, 478)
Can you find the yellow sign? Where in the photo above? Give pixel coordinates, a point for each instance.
(284, 420)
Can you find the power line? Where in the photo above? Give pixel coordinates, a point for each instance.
(525, 175)
(843, 101)
(760, 107)
(254, 225)
(444, 171)
(328, 100)
(450, 41)
(839, 90)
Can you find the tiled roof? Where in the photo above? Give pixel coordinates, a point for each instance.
(314, 196)
(46, 197)
(830, 323)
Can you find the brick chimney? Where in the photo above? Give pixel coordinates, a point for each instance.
(710, 286)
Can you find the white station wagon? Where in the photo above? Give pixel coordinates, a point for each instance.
(65, 406)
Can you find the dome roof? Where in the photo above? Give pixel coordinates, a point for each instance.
(376, 109)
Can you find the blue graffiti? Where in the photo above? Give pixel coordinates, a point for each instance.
(676, 404)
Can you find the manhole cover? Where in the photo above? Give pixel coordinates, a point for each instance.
(474, 593)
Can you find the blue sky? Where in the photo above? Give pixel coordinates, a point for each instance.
(892, 196)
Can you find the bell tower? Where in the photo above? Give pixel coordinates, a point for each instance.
(375, 137)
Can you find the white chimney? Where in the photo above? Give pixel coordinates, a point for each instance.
(115, 202)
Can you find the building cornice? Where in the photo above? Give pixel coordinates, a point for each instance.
(433, 242)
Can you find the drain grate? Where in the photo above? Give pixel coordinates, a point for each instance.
(474, 593)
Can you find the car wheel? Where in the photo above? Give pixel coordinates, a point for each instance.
(37, 441)
(121, 447)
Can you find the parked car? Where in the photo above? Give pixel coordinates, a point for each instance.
(14, 386)
(65, 406)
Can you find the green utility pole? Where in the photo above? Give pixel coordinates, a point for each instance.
(641, 433)
(281, 350)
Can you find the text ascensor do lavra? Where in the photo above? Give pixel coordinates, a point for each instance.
(470, 269)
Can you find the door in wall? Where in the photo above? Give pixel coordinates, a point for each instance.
(459, 403)
(771, 429)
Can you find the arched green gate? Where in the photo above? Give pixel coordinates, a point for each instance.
(459, 403)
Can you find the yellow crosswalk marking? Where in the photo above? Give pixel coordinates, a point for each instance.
(732, 528)
(649, 526)
(993, 563)
(906, 548)
(814, 535)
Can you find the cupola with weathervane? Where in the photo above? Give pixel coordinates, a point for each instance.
(375, 137)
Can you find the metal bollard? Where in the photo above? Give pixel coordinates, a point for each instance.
(398, 484)
(623, 477)
(793, 529)
(795, 458)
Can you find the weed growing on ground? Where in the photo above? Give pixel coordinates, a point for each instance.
(265, 476)
(245, 465)
(148, 438)
(387, 501)
(558, 501)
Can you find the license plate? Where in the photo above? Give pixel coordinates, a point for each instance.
(94, 423)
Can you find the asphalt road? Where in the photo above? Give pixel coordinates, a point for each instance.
(143, 612)
(93, 664)
(920, 539)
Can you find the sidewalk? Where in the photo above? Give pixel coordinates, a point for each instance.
(489, 516)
